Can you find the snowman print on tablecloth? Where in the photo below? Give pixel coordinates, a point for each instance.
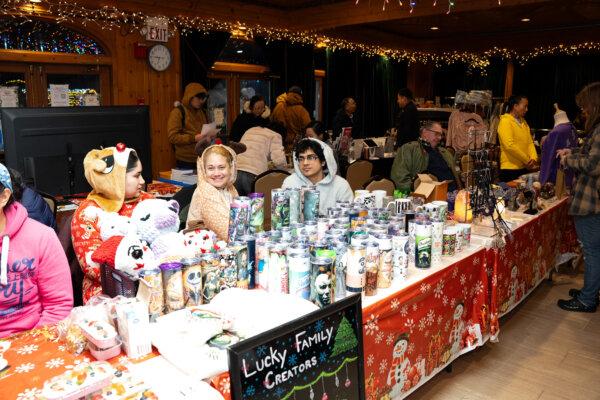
(457, 329)
(402, 376)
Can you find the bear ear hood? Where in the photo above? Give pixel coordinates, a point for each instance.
(105, 171)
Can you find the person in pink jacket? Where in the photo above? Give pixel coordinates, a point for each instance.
(35, 280)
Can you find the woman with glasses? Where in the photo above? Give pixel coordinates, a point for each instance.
(185, 125)
(425, 155)
(314, 165)
(517, 151)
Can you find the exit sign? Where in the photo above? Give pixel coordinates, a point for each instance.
(157, 29)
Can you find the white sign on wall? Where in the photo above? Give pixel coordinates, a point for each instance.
(157, 29)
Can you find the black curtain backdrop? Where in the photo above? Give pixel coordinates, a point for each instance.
(290, 64)
(450, 78)
(372, 81)
(548, 80)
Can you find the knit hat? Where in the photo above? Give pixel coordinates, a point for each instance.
(125, 253)
(105, 171)
(560, 117)
(105, 254)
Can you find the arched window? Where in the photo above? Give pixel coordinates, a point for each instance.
(39, 35)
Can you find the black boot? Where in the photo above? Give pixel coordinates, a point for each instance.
(575, 305)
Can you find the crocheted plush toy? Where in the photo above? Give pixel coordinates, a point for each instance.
(125, 253)
(200, 241)
(157, 222)
(110, 223)
(155, 217)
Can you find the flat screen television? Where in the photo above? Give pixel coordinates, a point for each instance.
(48, 145)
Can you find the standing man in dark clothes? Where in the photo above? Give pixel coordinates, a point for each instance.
(407, 120)
(346, 118)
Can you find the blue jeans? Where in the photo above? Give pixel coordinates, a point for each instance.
(588, 233)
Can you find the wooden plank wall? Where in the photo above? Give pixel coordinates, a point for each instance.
(133, 79)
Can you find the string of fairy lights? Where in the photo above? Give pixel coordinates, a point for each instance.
(110, 17)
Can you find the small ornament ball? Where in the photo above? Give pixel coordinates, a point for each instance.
(347, 384)
(325, 397)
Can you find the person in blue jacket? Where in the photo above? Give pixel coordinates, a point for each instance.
(34, 203)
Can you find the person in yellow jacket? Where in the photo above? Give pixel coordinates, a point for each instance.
(185, 125)
(290, 112)
(517, 151)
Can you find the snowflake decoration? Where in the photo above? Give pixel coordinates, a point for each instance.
(54, 363)
(372, 325)
(27, 349)
(411, 348)
(323, 357)
(414, 307)
(379, 337)
(390, 339)
(430, 317)
(476, 261)
(439, 319)
(225, 385)
(62, 348)
(319, 325)
(409, 324)
(427, 334)
(478, 289)
(463, 279)
(24, 368)
(439, 290)
(261, 351)
(250, 391)
(422, 324)
(370, 360)
(452, 302)
(425, 287)
(445, 300)
(292, 360)
(29, 394)
(454, 272)
(395, 304)
(279, 391)
(383, 366)
(404, 311)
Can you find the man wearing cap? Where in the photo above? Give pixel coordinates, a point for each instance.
(185, 125)
(407, 120)
(290, 112)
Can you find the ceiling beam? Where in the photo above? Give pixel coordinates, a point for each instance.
(335, 15)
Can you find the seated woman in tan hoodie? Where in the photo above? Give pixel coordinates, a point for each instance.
(215, 191)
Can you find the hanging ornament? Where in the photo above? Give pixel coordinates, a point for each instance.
(337, 380)
(325, 397)
(451, 5)
(348, 383)
(311, 393)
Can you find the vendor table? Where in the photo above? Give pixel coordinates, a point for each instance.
(411, 331)
(416, 328)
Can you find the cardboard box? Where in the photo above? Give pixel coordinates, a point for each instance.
(428, 187)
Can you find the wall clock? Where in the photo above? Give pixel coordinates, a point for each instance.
(159, 57)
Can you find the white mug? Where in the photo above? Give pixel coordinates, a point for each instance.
(400, 205)
(379, 195)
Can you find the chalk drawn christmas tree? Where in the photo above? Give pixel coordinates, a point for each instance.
(345, 339)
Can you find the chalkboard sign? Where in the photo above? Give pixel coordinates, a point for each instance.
(315, 357)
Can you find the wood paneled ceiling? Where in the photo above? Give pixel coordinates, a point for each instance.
(472, 24)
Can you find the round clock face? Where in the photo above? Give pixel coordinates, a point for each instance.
(159, 57)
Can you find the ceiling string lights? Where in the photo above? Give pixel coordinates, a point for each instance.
(109, 17)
